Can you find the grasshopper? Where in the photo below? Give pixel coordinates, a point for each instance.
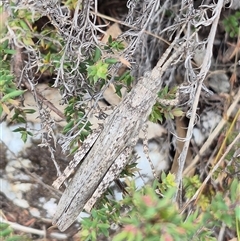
(111, 149)
(78, 157)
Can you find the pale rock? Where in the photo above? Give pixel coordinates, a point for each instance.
(198, 136)
(21, 187)
(219, 82)
(199, 55)
(50, 206)
(34, 212)
(21, 203)
(158, 154)
(208, 121)
(13, 193)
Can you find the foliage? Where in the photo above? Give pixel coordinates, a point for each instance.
(9, 95)
(96, 68)
(163, 108)
(49, 44)
(9, 92)
(151, 214)
(100, 221)
(6, 234)
(232, 24)
(114, 45)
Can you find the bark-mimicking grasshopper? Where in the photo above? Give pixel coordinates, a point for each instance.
(78, 157)
(110, 152)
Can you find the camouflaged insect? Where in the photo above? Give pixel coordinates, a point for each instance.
(78, 157)
(110, 152)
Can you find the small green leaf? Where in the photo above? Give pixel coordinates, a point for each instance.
(29, 111)
(111, 61)
(12, 95)
(5, 232)
(23, 25)
(29, 133)
(104, 228)
(177, 112)
(9, 51)
(1, 110)
(68, 126)
(98, 71)
(28, 41)
(19, 129)
(110, 39)
(124, 75)
(16, 238)
(84, 233)
(24, 136)
(94, 235)
(121, 236)
(234, 189)
(237, 213)
(4, 44)
(97, 55)
(3, 226)
(118, 90)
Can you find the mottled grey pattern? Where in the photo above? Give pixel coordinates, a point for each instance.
(78, 157)
(114, 143)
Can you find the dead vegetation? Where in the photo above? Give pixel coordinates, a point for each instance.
(56, 43)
